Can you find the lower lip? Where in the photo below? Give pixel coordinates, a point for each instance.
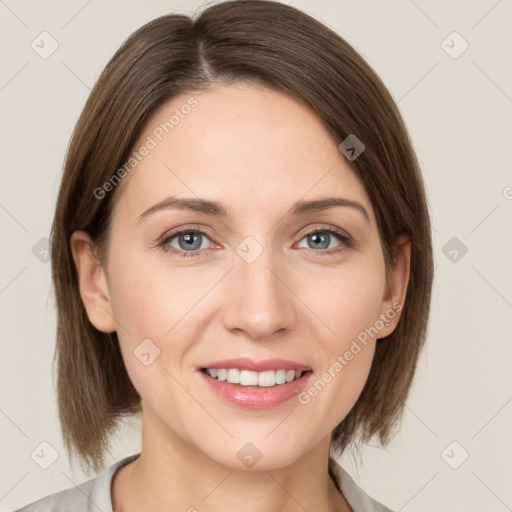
(256, 397)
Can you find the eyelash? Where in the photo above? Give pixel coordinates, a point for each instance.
(346, 242)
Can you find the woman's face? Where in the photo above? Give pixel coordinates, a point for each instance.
(266, 285)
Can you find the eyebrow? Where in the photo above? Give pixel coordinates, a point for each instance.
(218, 209)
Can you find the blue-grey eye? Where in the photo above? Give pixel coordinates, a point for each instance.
(189, 241)
(321, 239)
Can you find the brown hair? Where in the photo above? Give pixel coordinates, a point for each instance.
(278, 46)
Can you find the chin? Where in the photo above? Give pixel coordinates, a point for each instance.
(260, 454)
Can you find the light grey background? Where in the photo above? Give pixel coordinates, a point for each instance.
(459, 113)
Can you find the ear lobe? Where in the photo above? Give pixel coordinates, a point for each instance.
(92, 283)
(396, 287)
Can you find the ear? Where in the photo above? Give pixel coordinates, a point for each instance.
(396, 287)
(92, 283)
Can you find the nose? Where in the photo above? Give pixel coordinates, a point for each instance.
(259, 300)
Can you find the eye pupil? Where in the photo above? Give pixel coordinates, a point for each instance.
(317, 238)
(189, 242)
(190, 239)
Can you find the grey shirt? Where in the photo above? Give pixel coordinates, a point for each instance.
(94, 495)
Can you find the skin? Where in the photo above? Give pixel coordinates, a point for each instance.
(258, 151)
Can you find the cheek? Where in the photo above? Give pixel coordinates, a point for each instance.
(150, 297)
(347, 302)
(349, 307)
(152, 301)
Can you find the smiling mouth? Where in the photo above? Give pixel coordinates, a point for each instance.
(267, 378)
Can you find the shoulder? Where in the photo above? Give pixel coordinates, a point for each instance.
(358, 500)
(68, 499)
(90, 496)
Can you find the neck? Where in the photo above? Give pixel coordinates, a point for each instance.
(169, 471)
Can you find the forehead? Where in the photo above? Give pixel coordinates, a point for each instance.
(249, 146)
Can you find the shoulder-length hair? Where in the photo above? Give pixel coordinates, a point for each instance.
(277, 46)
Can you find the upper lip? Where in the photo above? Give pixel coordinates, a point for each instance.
(245, 363)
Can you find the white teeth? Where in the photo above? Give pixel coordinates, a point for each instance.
(233, 376)
(280, 376)
(248, 378)
(266, 379)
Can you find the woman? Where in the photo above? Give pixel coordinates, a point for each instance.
(241, 252)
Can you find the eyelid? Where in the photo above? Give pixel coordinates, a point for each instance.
(345, 239)
(196, 228)
(324, 227)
